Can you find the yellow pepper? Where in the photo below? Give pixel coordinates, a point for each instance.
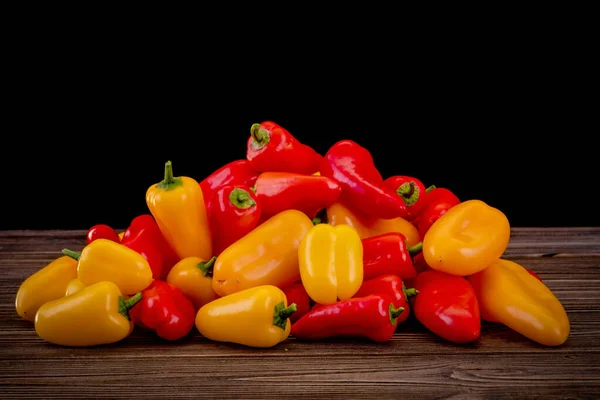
(255, 317)
(105, 260)
(331, 263)
(508, 294)
(338, 214)
(74, 286)
(95, 315)
(121, 235)
(177, 205)
(46, 284)
(267, 255)
(193, 276)
(466, 239)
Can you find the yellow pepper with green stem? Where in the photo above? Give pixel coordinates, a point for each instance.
(193, 276)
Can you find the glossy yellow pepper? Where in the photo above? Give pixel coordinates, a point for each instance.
(466, 239)
(331, 263)
(193, 276)
(267, 255)
(177, 205)
(340, 214)
(74, 286)
(46, 284)
(255, 317)
(97, 314)
(105, 260)
(508, 294)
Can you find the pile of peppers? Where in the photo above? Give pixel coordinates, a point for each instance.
(287, 242)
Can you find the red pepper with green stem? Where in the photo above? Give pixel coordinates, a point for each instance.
(295, 293)
(271, 148)
(389, 254)
(166, 310)
(352, 166)
(372, 317)
(280, 191)
(392, 286)
(238, 172)
(412, 192)
(233, 212)
(437, 202)
(102, 231)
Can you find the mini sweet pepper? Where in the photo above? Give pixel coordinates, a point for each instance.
(388, 254)
(193, 276)
(74, 286)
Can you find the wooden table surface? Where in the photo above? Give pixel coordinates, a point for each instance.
(414, 364)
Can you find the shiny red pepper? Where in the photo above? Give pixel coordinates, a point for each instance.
(233, 212)
(392, 286)
(238, 172)
(447, 306)
(165, 310)
(372, 317)
(437, 202)
(352, 166)
(144, 236)
(388, 254)
(271, 148)
(411, 190)
(280, 191)
(102, 231)
(295, 293)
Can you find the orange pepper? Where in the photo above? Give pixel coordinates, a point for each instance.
(338, 214)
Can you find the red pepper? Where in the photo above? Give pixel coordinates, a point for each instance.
(164, 309)
(388, 254)
(102, 231)
(392, 286)
(363, 190)
(295, 293)
(372, 317)
(280, 191)
(447, 306)
(411, 191)
(233, 212)
(271, 148)
(238, 172)
(437, 202)
(144, 236)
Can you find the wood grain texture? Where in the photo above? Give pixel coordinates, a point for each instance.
(414, 364)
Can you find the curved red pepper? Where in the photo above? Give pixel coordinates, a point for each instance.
(295, 293)
(372, 317)
(392, 286)
(234, 211)
(388, 254)
(412, 192)
(437, 202)
(280, 191)
(352, 166)
(166, 310)
(238, 172)
(447, 306)
(144, 236)
(102, 231)
(271, 148)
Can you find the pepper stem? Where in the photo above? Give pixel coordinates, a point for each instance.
(72, 253)
(241, 198)
(416, 249)
(408, 193)
(395, 313)
(282, 313)
(316, 221)
(169, 181)
(126, 305)
(207, 266)
(408, 293)
(430, 188)
(260, 136)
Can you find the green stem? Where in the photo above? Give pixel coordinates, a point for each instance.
(71, 253)
(282, 314)
(410, 292)
(430, 188)
(316, 221)
(408, 193)
(241, 198)
(416, 249)
(207, 266)
(260, 136)
(395, 313)
(169, 182)
(126, 305)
